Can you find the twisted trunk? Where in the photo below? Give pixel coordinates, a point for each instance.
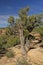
(27, 45)
(22, 41)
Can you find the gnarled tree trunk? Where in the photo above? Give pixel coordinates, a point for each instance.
(22, 41)
(27, 45)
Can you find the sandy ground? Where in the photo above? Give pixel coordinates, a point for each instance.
(35, 57)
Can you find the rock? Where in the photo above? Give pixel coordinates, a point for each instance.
(36, 56)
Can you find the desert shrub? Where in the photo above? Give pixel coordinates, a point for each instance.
(2, 45)
(16, 40)
(40, 30)
(12, 41)
(9, 54)
(7, 41)
(22, 62)
(8, 31)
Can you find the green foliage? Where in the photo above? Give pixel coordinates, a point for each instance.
(32, 19)
(11, 20)
(40, 30)
(3, 42)
(10, 54)
(8, 31)
(23, 12)
(23, 15)
(26, 32)
(8, 41)
(31, 23)
(12, 41)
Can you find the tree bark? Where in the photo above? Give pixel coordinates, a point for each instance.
(27, 45)
(22, 41)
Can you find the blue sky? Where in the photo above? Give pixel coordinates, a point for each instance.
(11, 7)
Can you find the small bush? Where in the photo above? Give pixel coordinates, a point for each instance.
(22, 62)
(9, 54)
(12, 41)
(2, 45)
